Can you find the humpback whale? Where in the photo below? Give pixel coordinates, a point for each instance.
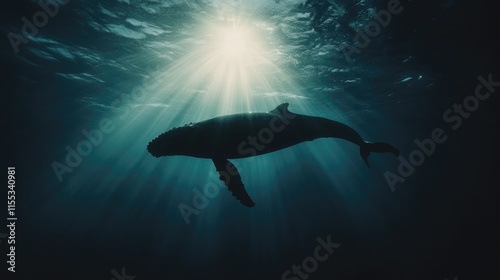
(252, 134)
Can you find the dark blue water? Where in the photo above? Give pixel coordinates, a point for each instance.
(124, 72)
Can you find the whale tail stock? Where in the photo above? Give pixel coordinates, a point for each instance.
(368, 148)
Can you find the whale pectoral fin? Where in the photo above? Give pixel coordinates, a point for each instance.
(232, 179)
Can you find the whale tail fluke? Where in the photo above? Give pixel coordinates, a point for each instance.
(368, 148)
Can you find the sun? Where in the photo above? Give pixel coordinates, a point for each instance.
(235, 42)
(226, 64)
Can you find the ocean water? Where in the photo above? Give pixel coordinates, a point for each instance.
(89, 84)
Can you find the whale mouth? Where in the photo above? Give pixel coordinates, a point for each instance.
(154, 148)
(171, 142)
(158, 146)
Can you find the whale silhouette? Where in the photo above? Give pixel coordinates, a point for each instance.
(252, 134)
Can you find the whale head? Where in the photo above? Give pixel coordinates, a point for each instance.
(176, 141)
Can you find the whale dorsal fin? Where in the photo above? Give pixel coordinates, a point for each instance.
(282, 108)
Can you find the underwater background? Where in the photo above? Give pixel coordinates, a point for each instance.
(131, 70)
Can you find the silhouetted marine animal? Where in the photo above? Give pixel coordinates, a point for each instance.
(251, 134)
